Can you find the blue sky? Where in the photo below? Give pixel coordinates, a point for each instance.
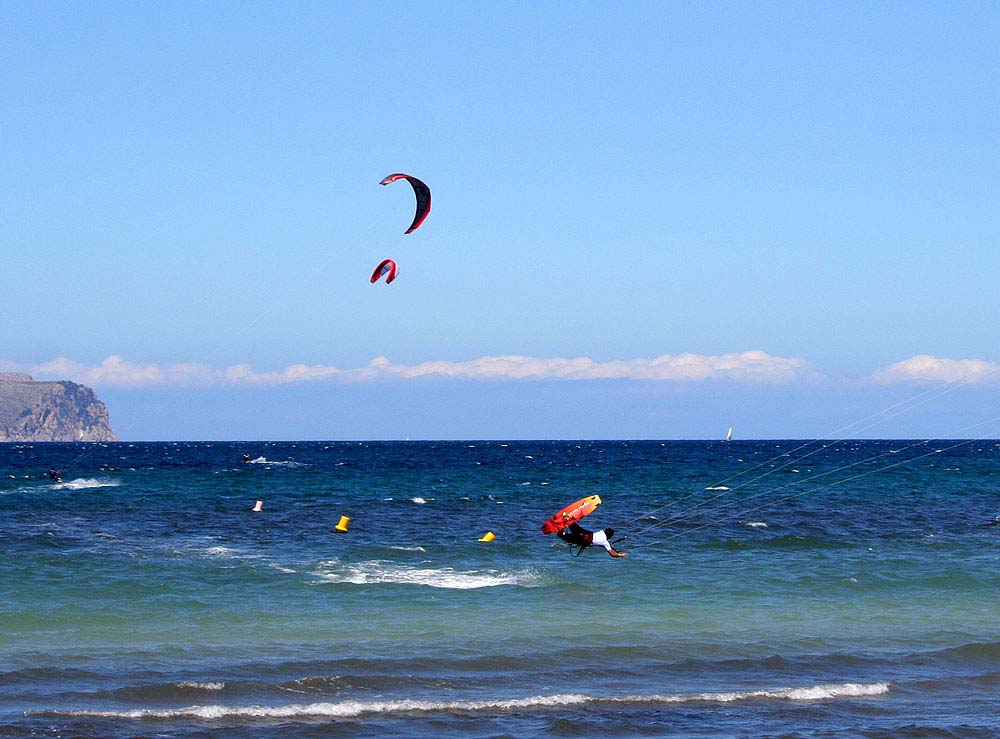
(799, 201)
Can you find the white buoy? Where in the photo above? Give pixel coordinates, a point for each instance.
(259, 507)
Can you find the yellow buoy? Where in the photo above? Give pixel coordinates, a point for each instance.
(488, 536)
(342, 526)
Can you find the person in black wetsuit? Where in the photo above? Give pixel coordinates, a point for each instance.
(577, 536)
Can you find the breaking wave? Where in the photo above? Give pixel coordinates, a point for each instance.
(348, 709)
(202, 686)
(383, 572)
(85, 483)
(276, 463)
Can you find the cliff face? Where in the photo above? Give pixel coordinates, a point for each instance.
(50, 411)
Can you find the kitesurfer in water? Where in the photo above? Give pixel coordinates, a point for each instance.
(246, 459)
(55, 474)
(577, 536)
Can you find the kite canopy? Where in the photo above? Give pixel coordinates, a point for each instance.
(422, 192)
(385, 267)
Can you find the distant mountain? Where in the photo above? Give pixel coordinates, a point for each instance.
(50, 411)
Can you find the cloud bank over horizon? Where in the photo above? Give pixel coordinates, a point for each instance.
(115, 371)
(925, 368)
(749, 367)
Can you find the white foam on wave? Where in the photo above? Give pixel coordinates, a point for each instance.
(232, 557)
(718, 487)
(349, 709)
(277, 463)
(209, 550)
(808, 693)
(202, 686)
(344, 709)
(418, 500)
(408, 549)
(377, 572)
(229, 557)
(85, 483)
(22, 489)
(757, 525)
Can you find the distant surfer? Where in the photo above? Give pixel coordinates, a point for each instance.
(577, 536)
(246, 459)
(55, 474)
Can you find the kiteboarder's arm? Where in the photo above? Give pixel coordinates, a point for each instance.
(614, 553)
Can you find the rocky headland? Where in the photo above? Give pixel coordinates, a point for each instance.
(50, 411)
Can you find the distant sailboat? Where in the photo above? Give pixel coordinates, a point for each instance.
(729, 434)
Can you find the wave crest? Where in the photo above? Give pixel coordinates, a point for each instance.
(349, 709)
(377, 572)
(85, 483)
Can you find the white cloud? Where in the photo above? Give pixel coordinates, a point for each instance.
(749, 367)
(925, 368)
(753, 366)
(118, 372)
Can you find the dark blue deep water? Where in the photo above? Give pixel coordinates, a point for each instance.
(774, 588)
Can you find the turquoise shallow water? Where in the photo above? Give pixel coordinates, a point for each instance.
(772, 588)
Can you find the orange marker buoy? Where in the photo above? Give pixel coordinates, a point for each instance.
(341, 527)
(259, 507)
(488, 536)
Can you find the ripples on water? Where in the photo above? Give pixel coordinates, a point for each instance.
(771, 588)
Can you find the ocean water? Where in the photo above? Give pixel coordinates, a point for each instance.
(773, 588)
